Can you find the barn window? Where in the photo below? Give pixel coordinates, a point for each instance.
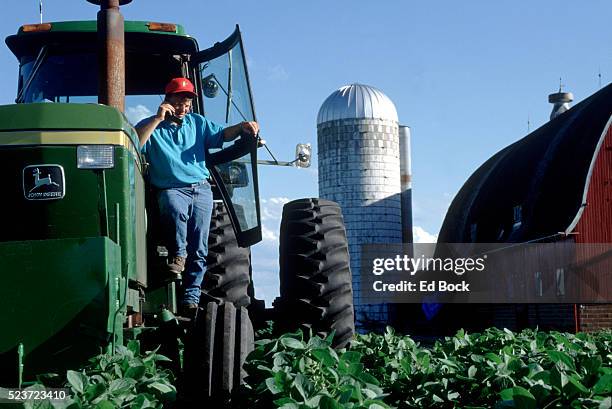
(538, 284)
(517, 217)
(560, 279)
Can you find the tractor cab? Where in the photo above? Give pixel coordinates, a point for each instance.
(58, 63)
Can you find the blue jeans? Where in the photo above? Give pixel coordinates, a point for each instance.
(185, 217)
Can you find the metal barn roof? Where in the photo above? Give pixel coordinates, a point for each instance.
(534, 188)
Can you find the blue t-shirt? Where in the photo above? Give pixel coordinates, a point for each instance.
(176, 153)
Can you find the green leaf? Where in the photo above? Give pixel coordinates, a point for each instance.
(161, 358)
(509, 334)
(287, 403)
(493, 357)
(603, 385)
(367, 378)
(94, 390)
(579, 387)
(292, 343)
(355, 369)
(540, 392)
(591, 364)
(351, 356)
(272, 386)
(523, 399)
(298, 384)
(345, 394)
(449, 363)
(328, 403)
(324, 356)
(507, 394)
(135, 372)
(37, 404)
(142, 401)
(105, 404)
(472, 371)
(606, 403)
(376, 405)
(77, 380)
(134, 346)
(161, 387)
(558, 356)
(452, 396)
(557, 378)
(406, 365)
(121, 386)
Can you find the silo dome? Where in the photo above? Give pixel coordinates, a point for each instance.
(357, 101)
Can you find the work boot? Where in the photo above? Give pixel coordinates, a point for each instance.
(189, 311)
(175, 267)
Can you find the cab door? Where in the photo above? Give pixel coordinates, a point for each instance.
(226, 99)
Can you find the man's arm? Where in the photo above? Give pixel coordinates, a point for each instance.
(146, 128)
(232, 132)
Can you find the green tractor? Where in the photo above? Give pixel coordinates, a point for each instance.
(79, 250)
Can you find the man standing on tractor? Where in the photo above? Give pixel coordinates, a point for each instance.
(175, 141)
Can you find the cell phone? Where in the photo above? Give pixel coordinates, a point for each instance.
(172, 118)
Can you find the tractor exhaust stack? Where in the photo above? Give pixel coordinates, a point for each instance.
(111, 53)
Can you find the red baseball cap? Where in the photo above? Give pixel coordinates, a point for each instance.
(177, 85)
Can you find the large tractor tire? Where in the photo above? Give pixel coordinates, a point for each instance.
(216, 347)
(315, 277)
(227, 275)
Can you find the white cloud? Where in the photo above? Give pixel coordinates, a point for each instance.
(137, 113)
(277, 73)
(272, 210)
(279, 200)
(268, 235)
(421, 236)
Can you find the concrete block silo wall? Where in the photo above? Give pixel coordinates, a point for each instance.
(359, 163)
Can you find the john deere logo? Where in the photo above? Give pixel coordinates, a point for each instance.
(43, 182)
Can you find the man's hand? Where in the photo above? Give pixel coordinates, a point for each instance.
(164, 109)
(247, 128)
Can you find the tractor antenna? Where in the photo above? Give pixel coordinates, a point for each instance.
(560, 85)
(40, 10)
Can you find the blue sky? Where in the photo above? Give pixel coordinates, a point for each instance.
(466, 76)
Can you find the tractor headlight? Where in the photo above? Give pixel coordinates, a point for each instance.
(95, 157)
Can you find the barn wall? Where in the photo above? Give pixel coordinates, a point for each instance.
(595, 226)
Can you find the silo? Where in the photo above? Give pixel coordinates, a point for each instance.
(359, 167)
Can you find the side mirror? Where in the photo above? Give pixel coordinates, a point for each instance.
(303, 154)
(210, 86)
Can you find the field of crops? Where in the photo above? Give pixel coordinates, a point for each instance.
(496, 368)
(493, 369)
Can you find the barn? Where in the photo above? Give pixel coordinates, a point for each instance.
(555, 184)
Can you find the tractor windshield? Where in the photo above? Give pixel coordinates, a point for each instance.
(65, 77)
(71, 76)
